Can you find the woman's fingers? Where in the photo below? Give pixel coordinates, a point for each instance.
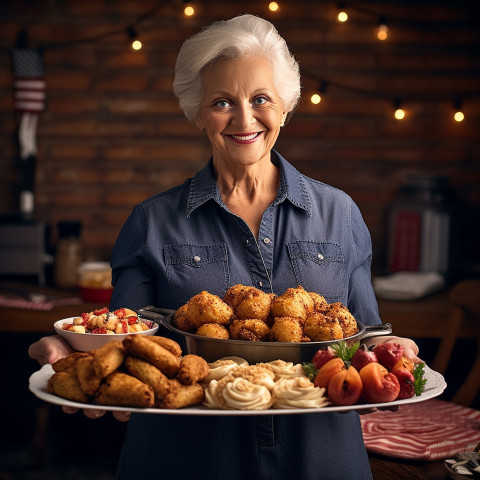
(122, 416)
(49, 349)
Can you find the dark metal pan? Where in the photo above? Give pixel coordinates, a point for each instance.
(212, 349)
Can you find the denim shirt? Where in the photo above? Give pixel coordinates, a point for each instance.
(183, 241)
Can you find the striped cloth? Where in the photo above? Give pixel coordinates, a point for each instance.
(29, 80)
(430, 430)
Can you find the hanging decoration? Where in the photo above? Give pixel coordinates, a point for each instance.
(29, 96)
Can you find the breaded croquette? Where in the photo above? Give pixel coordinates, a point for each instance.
(121, 390)
(159, 356)
(69, 363)
(66, 385)
(192, 369)
(87, 376)
(148, 374)
(181, 396)
(109, 357)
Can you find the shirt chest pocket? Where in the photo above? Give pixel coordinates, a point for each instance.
(319, 267)
(193, 268)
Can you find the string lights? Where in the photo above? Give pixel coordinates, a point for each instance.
(344, 14)
(188, 9)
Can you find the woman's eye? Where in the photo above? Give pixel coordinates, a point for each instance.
(260, 101)
(222, 104)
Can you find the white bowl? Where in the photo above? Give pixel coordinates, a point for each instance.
(83, 342)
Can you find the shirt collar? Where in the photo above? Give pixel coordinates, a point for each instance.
(203, 186)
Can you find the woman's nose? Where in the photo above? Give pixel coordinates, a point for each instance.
(243, 116)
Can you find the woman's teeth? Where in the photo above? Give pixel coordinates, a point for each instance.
(245, 137)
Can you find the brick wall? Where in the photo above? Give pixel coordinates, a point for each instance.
(112, 133)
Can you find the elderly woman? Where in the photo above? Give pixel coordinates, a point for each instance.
(248, 217)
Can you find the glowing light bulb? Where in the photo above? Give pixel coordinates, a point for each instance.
(382, 32)
(342, 16)
(315, 98)
(189, 11)
(273, 6)
(399, 114)
(459, 116)
(137, 45)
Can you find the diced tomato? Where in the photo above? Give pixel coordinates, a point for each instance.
(100, 330)
(85, 318)
(120, 313)
(100, 311)
(148, 323)
(67, 326)
(131, 320)
(124, 326)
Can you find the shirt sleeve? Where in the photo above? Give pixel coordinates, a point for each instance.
(361, 297)
(133, 281)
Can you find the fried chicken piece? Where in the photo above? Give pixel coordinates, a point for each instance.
(181, 396)
(319, 327)
(213, 330)
(252, 330)
(286, 329)
(345, 318)
(109, 357)
(171, 345)
(87, 376)
(123, 390)
(149, 374)
(249, 302)
(66, 385)
(208, 308)
(69, 363)
(319, 302)
(157, 355)
(294, 302)
(192, 369)
(181, 320)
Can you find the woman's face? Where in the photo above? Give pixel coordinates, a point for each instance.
(241, 111)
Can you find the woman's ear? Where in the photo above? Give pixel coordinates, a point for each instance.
(284, 117)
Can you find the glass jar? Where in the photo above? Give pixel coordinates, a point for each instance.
(69, 254)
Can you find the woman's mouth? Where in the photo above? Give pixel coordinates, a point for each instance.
(245, 137)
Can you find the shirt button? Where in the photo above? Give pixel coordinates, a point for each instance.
(260, 283)
(196, 258)
(320, 256)
(266, 240)
(247, 241)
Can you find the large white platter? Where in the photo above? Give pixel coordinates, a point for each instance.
(38, 386)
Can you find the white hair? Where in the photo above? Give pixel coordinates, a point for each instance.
(239, 36)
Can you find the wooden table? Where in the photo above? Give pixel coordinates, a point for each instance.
(384, 468)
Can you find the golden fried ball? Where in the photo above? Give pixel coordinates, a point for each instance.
(255, 304)
(213, 330)
(294, 302)
(181, 321)
(208, 308)
(235, 294)
(286, 329)
(319, 327)
(345, 318)
(249, 329)
(319, 302)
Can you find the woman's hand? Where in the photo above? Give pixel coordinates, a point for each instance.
(49, 349)
(91, 413)
(410, 348)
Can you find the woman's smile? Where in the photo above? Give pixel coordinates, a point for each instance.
(244, 137)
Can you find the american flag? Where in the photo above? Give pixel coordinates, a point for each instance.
(29, 80)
